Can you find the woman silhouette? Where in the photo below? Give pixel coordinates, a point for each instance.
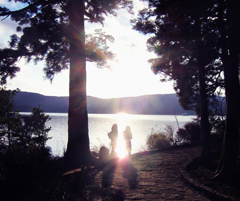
(113, 135)
(127, 135)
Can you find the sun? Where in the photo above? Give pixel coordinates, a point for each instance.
(121, 150)
(121, 147)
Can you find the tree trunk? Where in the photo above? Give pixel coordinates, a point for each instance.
(227, 169)
(205, 157)
(223, 41)
(78, 151)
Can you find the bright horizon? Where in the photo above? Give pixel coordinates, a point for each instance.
(129, 76)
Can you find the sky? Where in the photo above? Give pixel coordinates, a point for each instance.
(129, 75)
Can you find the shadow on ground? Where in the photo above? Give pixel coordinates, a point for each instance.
(129, 172)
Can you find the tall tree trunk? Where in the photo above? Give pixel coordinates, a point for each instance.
(228, 164)
(223, 41)
(205, 157)
(78, 151)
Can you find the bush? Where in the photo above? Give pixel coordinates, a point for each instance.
(27, 171)
(157, 140)
(190, 133)
(26, 164)
(19, 129)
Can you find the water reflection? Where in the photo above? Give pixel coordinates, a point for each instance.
(100, 126)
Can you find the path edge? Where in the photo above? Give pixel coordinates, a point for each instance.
(201, 187)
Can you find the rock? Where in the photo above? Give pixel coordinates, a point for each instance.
(103, 154)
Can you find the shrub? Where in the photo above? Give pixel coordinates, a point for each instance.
(27, 171)
(19, 129)
(190, 133)
(157, 140)
(26, 164)
(34, 129)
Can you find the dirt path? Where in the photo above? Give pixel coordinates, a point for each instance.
(152, 177)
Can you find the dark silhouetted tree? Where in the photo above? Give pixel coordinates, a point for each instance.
(21, 130)
(227, 169)
(196, 43)
(9, 119)
(178, 29)
(54, 31)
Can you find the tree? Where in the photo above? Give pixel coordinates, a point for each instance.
(227, 169)
(21, 130)
(9, 119)
(22, 140)
(25, 160)
(205, 157)
(34, 129)
(180, 38)
(200, 36)
(54, 31)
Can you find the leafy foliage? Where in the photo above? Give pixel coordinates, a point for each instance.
(43, 34)
(28, 170)
(16, 129)
(96, 48)
(54, 32)
(157, 140)
(174, 36)
(25, 161)
(9, 119)
(190, 133)
(34, 129)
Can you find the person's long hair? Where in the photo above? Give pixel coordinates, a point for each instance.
(114, 127)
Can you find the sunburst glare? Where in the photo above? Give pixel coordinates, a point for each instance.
(121, 145)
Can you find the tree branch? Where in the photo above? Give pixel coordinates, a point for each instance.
(39, 2)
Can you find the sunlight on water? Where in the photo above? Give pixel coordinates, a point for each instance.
(100, 125)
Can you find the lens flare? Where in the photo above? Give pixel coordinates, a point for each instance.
(121, 147)
(121, 150)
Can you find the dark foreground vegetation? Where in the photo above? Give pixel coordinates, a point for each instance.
(197, 46)
(196, 43)
(29, 171)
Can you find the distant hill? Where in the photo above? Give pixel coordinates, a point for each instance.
(165, 104)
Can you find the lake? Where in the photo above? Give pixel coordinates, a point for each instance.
(100, 125)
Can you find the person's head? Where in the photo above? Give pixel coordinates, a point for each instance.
(128, 128)
(114, 127)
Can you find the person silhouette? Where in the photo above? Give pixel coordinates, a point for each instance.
(127, 136)
(113, 135)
